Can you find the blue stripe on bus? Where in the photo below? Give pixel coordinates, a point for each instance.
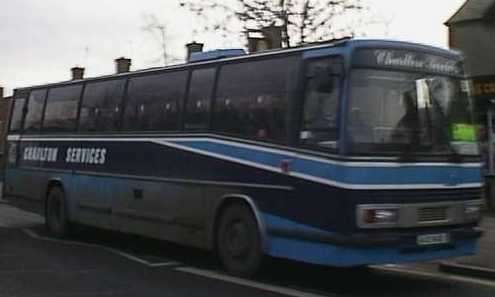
(329, 254)
(279, 223)
(390, 175)
(360, 175)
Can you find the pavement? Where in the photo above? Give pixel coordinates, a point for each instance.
(94, 262)
(483, 263)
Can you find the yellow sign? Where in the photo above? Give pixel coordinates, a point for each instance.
(484, 88)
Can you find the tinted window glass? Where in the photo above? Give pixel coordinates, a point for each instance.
(408, 113)
(153, 102)
(101, 106)
(198, 103)
(61, 108)
(35, 110)
(17, 112)
(252, 98)
(321, 102)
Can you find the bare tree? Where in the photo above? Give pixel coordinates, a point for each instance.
(300, 21)
(158, 30)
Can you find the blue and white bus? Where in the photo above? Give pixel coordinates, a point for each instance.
(346, 154)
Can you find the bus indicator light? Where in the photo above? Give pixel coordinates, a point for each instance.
(472, 210)
(380, 216)
(285, 166)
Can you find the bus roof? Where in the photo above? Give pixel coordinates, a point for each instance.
(351, 43)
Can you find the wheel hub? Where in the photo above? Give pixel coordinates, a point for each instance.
(55, 209)
(238, 239)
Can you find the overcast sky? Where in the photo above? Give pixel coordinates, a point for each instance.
(40, 40)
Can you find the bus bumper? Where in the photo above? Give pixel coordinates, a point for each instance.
(324, 248)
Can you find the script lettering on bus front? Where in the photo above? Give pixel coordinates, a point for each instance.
(407, 59)
(415, 60)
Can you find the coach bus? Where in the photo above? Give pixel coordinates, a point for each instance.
(345, 154)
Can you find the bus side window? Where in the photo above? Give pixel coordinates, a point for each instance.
(153, 100)
(61, 108)
(198, 102)
(321, 102)
(101, 106)
(36, 102)
(252, 99)
(17, 113)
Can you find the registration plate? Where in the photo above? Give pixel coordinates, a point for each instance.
(431, 239)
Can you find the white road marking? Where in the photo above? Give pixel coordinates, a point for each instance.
(440, 276)
(139, 260)
(10, 271)
(163, 264)
(249, 283)
(35, 235)
(88, 293)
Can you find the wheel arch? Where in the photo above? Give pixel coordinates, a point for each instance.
(52, 182)
(229, 199)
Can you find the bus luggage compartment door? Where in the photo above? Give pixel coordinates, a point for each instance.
(159, 209)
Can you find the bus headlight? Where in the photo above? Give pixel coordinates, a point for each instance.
(472, 210)
(375, 216)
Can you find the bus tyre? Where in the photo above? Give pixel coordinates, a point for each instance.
(238, 241)
(56, 220)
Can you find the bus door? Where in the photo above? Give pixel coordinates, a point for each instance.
(320, 106)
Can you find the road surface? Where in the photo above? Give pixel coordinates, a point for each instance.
(102, 263)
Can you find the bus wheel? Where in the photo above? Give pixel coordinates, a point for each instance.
(238, 241)
(56, 213)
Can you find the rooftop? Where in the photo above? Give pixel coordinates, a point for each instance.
(473, 10)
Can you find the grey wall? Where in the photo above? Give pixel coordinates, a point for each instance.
(476, 40)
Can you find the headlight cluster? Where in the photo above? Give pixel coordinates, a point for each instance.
(376, 216)
(381, 216)
(472, 210)
(411, 215)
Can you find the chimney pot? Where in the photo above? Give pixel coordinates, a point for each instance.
(77, 73)
(256, 44)
(193, 47)
(122, 65)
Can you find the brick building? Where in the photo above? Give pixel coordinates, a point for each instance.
(472, 31)
(4, 111)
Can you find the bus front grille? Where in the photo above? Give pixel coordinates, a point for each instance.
(432, 214)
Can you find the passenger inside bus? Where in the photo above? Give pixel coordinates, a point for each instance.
(406, 130)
